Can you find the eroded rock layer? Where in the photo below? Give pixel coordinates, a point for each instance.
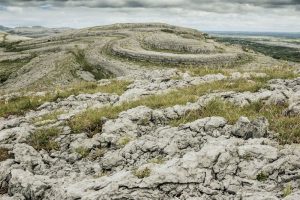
(138, 156)
(166, 134)
(103, 52)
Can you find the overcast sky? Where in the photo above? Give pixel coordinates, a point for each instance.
(220, 15)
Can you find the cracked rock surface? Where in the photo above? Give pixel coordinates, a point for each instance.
(204, 159)
(138, 154)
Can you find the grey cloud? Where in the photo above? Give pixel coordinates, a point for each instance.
(149, 3)
(217, 6)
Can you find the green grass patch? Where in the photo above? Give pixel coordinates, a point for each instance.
(98, 72)
(10, 46)
(280, 72)
(50, 116)
(124, 140)
(202, 71)
(288, 127)
(157, 160)
(115, 86)
(9, 67)
(92, 119)
(262, 176)
(274, 72)
(221, 108)
(44, 139)
(82, 151)
(20, 105)
(287, 190)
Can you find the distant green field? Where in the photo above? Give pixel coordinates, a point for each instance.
(278, 52)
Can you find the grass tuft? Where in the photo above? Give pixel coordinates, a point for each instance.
(287, 190)
(50, 116)
(44, 139)
(288, 127)
(262, 176)
(157, 160)
(98, 72)
(82, 151)
(92, 119)
(97, 153)
(20, 105)
(4, 154)
(143, 173)
(124, 140)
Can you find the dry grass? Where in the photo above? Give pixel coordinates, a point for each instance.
(157, 160)
(20, 105)
(143, 173)
(4, 154)
(98, 72)
(124, 140)
(92, 119)
(287, 127)
(287, 190)
(275, 72)
(44, 139)
(202, 71)
(82, 151)
(50, 116)
(262, 176)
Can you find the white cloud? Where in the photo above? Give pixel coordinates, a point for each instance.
(259, 19)
(14, 9)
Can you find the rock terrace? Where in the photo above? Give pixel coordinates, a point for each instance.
(140, 154)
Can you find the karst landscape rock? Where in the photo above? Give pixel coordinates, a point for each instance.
(146, 111)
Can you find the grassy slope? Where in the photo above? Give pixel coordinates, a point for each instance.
(22, 104)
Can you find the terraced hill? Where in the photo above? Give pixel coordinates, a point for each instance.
(146, 111)
(108, 51)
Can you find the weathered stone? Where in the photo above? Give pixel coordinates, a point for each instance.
(254, 129)
(25, 183)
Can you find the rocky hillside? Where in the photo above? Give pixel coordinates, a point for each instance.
(33, 31)
(109, 51)
(146, 111)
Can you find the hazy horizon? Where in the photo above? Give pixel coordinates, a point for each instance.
(205, 15)
(211, 31)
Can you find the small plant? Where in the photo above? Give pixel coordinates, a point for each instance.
(100, 174)
(176, 77)
(144, 122)
(287, 190)
(157, 160)
(20, 105)
(50, 116)
(143, 173)
(82, 151)
(247, 156)
(97, 153)
(262, 176)
(44, 139)
(124, 140)
(4, 154)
